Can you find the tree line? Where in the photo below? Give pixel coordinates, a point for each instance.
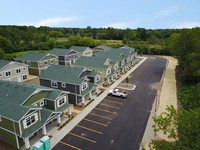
(24, 38)
(183, 125)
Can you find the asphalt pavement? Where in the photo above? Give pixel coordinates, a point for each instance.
(117, 123)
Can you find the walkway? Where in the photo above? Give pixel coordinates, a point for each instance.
(167, 95)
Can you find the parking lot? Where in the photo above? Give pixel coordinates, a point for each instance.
(117, 123)
(93, 126)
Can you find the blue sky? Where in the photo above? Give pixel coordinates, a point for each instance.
(149, 14)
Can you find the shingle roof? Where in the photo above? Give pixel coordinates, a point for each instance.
(91, 62)
(13, 95)
(63, 73)
(78, 48)
(104, 47)
(3, 63)
(59, 51)
(32, 56)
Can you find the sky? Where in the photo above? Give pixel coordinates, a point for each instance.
(122, 14)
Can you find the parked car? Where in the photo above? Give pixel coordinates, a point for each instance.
(118, 93)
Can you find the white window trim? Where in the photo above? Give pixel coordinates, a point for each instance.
(8, 75)
(19, 70)
(54, 83)
(84, 86)
(97, 77)
(29, 117)
(41, 103)
(1, 74)
(108, 71)
(61, 99)
(46, 62)
(23, 77)
(63, 85)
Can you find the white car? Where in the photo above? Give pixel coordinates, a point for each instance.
(118, 93)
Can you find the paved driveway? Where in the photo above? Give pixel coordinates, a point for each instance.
(116, 123)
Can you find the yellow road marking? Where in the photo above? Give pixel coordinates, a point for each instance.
(109, 106)
(113, 102)
(82, 137)
(74, 147)
(105, 110)
(100, 116)
(102, 124)
(89, 129)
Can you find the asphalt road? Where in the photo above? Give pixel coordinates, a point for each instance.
(119, 124)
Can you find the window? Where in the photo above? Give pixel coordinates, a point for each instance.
(108, 71)
(61, 101)
(52, 61)
(1, 74)
(24, 68)
(18, 70)
(84, 86)
(63, 85)
(46, 62)
(24, 77)
(41, 103)
(8, 73)
(54, 84)
(41, 63)
(29, 63)
(116, 66)
(30, 120)
(97, 77)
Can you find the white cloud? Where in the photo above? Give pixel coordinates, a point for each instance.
(187, 25)
(51, 21)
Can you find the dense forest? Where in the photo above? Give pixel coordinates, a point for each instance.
(183, 125)
(24, 38)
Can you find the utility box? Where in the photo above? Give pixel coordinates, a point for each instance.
(38, 146)
(46, 142)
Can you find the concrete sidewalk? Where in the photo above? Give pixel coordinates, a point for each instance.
(166, 96)
(58, 135)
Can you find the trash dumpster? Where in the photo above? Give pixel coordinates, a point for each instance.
(38, 146)
(46, 142)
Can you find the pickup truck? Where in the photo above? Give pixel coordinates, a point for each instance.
(118, 93)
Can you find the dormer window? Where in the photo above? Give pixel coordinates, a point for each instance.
(30, 120)
(97, 77)
(41, 103)
(116, 66)
(108, 70)
(61, 101)
(84, 86)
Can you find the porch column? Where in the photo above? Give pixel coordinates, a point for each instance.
(90, 94)
(27, 143)
(69, 111)
(44, 130)
(97, 89)
(59, 120)
(83, 100)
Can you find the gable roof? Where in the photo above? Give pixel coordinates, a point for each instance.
(92, 62)
(63, 73)
(13, 95)
(104, 47)
(78, 48)
(3, 63)
(33, 56)
(59, 51)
